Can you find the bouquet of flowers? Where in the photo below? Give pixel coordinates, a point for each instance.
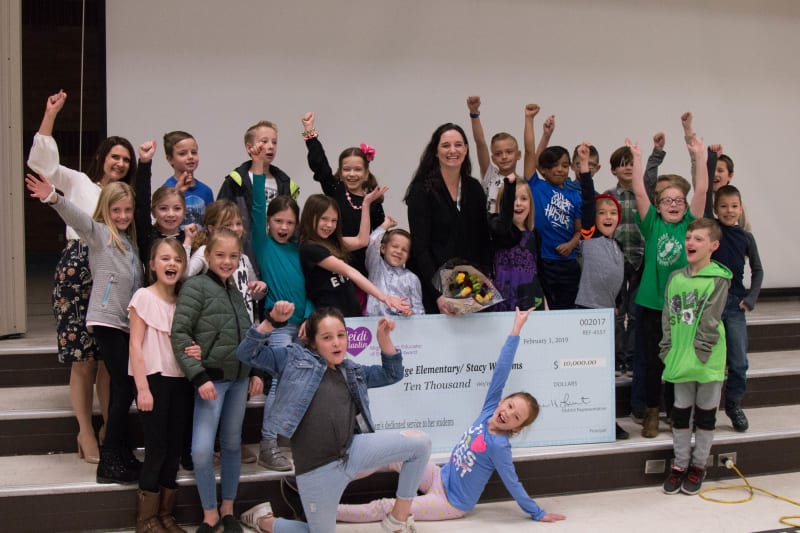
(465, 287)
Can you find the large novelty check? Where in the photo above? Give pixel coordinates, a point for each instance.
(565, 359)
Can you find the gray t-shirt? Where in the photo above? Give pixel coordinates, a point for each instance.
(326, 431)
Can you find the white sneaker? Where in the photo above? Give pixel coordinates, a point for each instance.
(392, 525)
(251, 517)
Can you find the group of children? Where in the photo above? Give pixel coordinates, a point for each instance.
(215, 268)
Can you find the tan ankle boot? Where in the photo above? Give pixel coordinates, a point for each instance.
(650, 424)
(165, 511)
(146, 513)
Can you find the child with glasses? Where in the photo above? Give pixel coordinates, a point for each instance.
(663, 227)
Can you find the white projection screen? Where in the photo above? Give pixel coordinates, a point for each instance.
(389, 72)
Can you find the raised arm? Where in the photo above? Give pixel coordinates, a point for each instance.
(697, 207)
(531, 158)
(54, 105)
(639, 190)
(548, 128)
(141, 209)
(317, 160)
(482, 149)
(653, 162)
(362, 239)
(587, 187)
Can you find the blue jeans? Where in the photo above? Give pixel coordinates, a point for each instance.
(736, 338)
(322, 488)
(227, 412)
(279, 337)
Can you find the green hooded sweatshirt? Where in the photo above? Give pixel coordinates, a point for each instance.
(693, 346)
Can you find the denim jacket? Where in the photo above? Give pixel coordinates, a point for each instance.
(299, 372)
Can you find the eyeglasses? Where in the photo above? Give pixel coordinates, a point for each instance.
(672, 201)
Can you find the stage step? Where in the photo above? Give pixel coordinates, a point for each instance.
(58, 493)
(39, 420)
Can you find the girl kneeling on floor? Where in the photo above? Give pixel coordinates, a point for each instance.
(331, 445)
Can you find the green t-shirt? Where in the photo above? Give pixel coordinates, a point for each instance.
(664, 252)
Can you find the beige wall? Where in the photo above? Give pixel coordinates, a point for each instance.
(388, 73)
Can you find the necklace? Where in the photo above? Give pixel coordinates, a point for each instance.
(350, 201)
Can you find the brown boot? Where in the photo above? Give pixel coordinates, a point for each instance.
(146, 513)
(165, 511)
(650, 424)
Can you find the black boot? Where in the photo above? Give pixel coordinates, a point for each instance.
(112, 469)
(130, 460)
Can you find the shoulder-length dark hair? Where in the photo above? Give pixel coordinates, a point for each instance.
(313, 209)
(95, 169)
(428, 169)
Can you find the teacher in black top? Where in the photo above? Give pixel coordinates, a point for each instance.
(446, 212)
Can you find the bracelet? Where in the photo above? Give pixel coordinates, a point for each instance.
(46, 199)
(275, 324)
(310, 134)
(475, 115)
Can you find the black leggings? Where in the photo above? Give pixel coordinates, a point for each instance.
(112, 347)
(649, 332)
(163, 430)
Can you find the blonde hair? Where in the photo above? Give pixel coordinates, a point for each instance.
(250, 134)
(521, 184)
(109, 195)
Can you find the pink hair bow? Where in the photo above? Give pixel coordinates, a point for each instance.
(368, 150)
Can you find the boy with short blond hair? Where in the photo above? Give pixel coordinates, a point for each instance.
(693, 349)
(237, 186)
(497, 160)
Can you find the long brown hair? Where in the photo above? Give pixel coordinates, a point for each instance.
(313, 209)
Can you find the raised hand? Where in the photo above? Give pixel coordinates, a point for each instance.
(659, 141)
(519, 320)
(190, 232)
(374, 195)
(388, 223)
(55, 102)
(549, 125)
(384, 329)
(474, 104)
(146, 151)
(716, 148)
(308, 121)
(531, 110)
(635, 150)
(686, 122)
(282, 311)
(40, 186)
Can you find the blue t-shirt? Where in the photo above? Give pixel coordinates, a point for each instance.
(479, 453)
(197, 197)
(555, 211)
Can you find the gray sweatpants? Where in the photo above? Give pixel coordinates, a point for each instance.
(688, 396)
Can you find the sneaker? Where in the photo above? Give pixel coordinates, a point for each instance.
(248, 457)
(230, 524)
(251, 517)
(738, 419)
(391, 525)
(693, 480)
(672, 485)
(619, 370)
(270, 456)
(621, 433)
(187, 463)
(206, 528)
